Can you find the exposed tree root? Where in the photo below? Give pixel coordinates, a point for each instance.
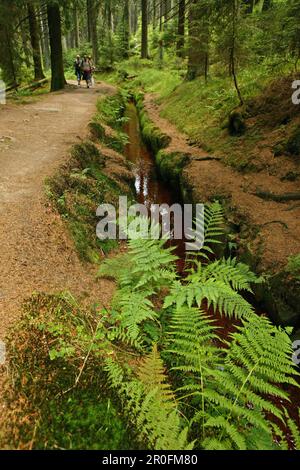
(277, 197)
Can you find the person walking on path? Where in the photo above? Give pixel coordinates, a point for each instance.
(86, 69)
(92, 71)
(77, 66)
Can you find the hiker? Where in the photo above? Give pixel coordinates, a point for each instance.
(77, 66)
(86, 69)
(92, 70)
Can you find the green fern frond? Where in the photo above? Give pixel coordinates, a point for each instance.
(147, 263)
(152, 374)
(229, 271)
(153, 262)
(213, 228)
(231, 431)
(131, 309)
(217, 294)
(150, 404)
(294, 430)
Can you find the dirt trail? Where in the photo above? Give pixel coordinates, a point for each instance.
(277, 224)
(36, 254)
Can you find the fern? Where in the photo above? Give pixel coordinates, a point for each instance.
(228, 393)
(233, 395)
(132, 309)
(236, 275)
(213, 221)
(150, 404)
(218, 294)
(147, 263)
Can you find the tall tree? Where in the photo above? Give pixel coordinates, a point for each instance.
(55, 36)
(144, 51)
(198, 60)
(76, 25)
(93, 14)
(35, 42)
(181, 28)
(44, 35)
(9, 53)
(126, 29)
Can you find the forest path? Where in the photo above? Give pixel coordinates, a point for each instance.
(36, 253)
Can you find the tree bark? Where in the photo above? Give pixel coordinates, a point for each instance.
(88, 13)
(198, 58)
(76, 27)
(26, 44)
(93, 13)
(126, 29)
(44, 34)
(57, 67)
(267, 5)
(144, 53)
(35, 43)
(181, 28)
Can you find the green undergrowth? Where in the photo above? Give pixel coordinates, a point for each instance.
(108, 122)
(83, 183)
(201, 109)
(156, 359)
(46, 410)
(76, 191)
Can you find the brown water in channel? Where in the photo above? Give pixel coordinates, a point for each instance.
(148, 186)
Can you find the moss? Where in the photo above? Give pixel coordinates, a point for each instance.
(171, 165)
(236, 124)
(87, 153)
(76, 192)
(153, 137)
(106, 126)
(97, 131)
(41, 415)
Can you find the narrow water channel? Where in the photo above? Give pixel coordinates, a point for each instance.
(149, 189)
(148, 186)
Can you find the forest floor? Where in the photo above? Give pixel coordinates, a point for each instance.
(276, 224)
(36, 253)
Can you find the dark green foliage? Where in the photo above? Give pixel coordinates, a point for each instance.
(236, 124)
(82, 420)
(171, 165)
(48, 409)
(293, 143)
(76, 191)
(152, 135)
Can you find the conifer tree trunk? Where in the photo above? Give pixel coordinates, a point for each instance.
(144, 53)
(93, 15)
(154, 15)
(44, 34)
(198, 59)
(126, 28)
(88, 13)
(27, 49)
(35, 43)
(76, 27)
(57, 67)
(181, 28)
(9, 72)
